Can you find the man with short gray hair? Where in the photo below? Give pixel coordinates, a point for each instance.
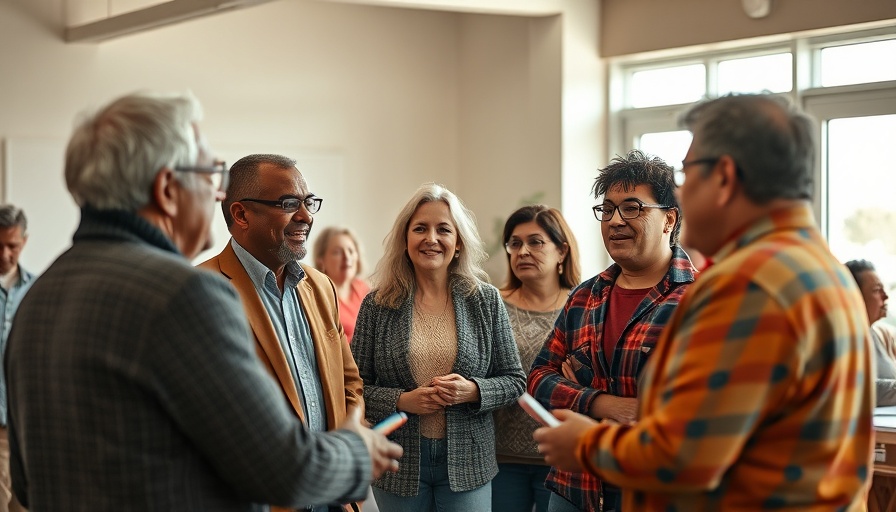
(133, 383)
(14, 282)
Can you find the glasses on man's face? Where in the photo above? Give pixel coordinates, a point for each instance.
(680, 175)
(291, 204)
(534, 245)
(217, 172)
(628, 210)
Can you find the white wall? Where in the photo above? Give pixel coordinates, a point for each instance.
(376, 100)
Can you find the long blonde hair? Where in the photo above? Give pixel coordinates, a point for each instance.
(394, 276)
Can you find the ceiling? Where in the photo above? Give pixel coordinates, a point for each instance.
(92, 21)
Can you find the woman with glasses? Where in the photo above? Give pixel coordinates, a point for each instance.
(543, 262)
(433, 340)
(338, 255)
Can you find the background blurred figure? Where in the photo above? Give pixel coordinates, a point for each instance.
(434, 340)
(543, 266)
(337, 253)
(610, 325)
(14, 282)
(875, 297)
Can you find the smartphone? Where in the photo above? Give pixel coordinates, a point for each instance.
(391, 423)
(537, 411)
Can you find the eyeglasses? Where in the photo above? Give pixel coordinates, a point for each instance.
(628, 210)
(534, 245)
(291, 204)
(680, 174)
(218, 173)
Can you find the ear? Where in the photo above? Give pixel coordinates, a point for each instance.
(727, 180)
(165, 192)
(238, 212)
(564, 250)
(671, 219)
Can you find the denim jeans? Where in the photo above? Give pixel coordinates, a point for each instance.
(434, 494)
(519, 486)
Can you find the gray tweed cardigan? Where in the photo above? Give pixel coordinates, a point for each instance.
(486, 354)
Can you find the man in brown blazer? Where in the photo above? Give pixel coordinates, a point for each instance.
(291, 308)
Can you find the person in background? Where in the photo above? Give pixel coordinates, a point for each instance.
(543, 266)
(14, 282)
(875, 297)
(291, 308)
(759, 394)
(132, 383)
(338, 255)
(610, 325)
(433, 340)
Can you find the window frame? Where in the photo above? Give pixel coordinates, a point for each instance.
(627, 124)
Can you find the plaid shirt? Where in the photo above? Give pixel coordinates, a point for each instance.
(761, 395)
(578, 332)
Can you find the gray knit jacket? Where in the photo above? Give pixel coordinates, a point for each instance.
(486, 354)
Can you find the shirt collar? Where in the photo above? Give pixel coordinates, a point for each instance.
(259, 273)
(781, 219)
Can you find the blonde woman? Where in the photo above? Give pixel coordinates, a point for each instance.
(434, 340)
(338, 255)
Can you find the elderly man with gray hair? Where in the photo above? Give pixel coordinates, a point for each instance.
(132, 383)
(14, 282)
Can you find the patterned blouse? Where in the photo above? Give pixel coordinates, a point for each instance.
(513, 426)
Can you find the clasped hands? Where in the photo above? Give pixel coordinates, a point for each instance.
(442, 391)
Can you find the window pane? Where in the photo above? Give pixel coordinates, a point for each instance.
(668, 86)
(858, 63)
(670, 146)
(756, 74)
(861, 181)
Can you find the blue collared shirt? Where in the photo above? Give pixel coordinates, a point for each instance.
(9, 303)
(293, 332)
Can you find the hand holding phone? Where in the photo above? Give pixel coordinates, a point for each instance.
(391, 423)
(537, 411)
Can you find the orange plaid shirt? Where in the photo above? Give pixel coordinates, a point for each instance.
(761, 395)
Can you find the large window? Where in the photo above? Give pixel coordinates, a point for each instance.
(846, 80)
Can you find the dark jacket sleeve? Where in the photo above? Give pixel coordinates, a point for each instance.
(205, 372)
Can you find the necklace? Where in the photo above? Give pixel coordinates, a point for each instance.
(431, 329)
(527, 306)
(527, 309)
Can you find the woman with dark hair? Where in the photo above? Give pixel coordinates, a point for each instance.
(543, 266)
(875, 297)
(433, 340)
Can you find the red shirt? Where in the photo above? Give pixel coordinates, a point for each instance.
(620, 310)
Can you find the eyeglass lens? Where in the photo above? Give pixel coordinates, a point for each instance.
(515, 246)
(627, 210)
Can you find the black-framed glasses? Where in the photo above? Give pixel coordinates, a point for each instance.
(291, 204)
(680, 175)
(516, 245)
(628, 210)
(218, 173)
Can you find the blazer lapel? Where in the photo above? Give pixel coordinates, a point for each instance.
(262, 328)
(319, 338)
